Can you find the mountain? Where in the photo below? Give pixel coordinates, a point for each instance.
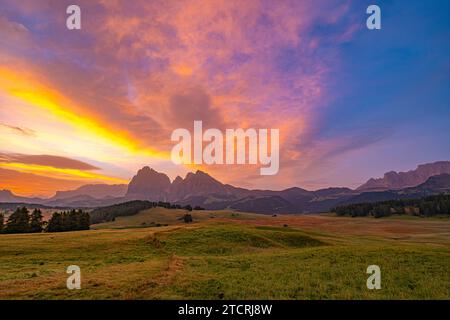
(149, 184)
(8, 196)
(398, 180)
(84, 201)
(96, 191)
(434, 185)
(262, 204)
(198, 184)
(200, 189)
(440, 183)
(203, 190)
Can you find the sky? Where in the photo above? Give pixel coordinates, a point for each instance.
(97, 104)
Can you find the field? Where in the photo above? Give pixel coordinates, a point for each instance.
(164, 216)
(227, 255)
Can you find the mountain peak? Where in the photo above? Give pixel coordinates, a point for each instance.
(198, 183)
(177, 180)
(145, 169)
(149, 184)
(6, 192)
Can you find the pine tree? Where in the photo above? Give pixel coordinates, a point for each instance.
(84, 220)
(70, 220)
(36, 221)
(18, 222)
(55, 224)
(2, 221)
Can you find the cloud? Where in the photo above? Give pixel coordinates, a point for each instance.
(154, 66)
(189, 105)
(47, 160)
(19, 130)
(13, 34)
(28, 184)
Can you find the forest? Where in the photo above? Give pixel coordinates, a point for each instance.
(426, 206)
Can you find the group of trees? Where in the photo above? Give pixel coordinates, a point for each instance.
(427, 206)
(168, 205)
(69, 221)
(129, 208)
(21, 221)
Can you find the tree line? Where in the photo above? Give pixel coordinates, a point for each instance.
(427, 206)
(72, 220)
(21, 221)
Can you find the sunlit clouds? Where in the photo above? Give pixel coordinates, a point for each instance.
(110, 95)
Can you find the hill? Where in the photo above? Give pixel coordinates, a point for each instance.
(129, 208)
(157, 217)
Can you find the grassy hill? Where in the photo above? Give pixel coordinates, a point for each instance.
(159, 216)
(233, 257)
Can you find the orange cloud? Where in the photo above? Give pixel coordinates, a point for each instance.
(183, 70)
(28, 184)
(32, 91)
(47, 160)
(48, 171)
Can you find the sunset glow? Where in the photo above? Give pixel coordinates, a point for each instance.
(349, 103)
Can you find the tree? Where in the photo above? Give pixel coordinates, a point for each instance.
(55, 224)
(70, 220)
(187, 218)
(2, 221)
(84, 220)
(36, 221)
(18, 221)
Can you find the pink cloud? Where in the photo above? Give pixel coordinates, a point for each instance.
(126, 67)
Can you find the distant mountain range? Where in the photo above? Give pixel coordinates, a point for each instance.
(200, 189)
(398, 180)
(97, 191)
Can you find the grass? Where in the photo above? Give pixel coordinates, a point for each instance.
(233, 257)
(161, 216)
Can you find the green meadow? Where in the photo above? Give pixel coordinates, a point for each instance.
(227, 255)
